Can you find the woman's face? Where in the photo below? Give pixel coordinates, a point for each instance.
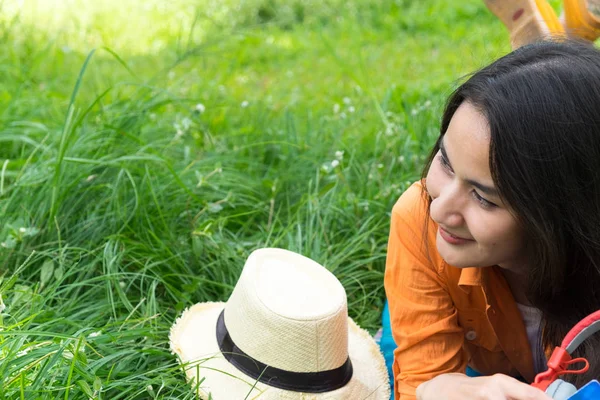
(476, 229)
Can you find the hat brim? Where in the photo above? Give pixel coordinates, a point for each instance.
(193, 340)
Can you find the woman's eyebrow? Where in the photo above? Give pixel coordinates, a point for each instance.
(490, 191)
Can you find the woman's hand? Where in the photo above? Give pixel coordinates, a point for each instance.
(495, 387)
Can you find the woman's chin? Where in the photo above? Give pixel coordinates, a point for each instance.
(457, 256)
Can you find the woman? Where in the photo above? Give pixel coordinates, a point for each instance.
(495, 254)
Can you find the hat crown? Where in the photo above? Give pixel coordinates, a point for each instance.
(289, 312)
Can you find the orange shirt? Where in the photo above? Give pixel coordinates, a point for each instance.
(444, 318)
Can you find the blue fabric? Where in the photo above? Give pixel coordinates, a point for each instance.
(472, 373)
(387, 344)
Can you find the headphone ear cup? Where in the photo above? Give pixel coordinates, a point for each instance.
(561, 390)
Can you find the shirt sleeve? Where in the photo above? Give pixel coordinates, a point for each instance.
(423, 317)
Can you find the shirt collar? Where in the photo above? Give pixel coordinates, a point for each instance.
(470, 276)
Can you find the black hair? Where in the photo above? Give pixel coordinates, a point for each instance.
(542, 103)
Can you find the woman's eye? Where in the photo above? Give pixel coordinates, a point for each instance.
(445, 163)
(483, 202)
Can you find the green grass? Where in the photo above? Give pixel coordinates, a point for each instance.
(122, 202)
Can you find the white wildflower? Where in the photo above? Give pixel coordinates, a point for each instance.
(339, 154)
(186, 123)
(351, 109)
(22, 229)
(95, 334)
(214, 208)
(401, 159)
(200, 108)
(122, 284)
(326, 167)
(90, 178)
(335, 163)
(244, 104)
(389, 130)
(414, 112)
(336, 108)
(347, 100)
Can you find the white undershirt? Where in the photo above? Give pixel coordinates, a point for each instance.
(532, 318)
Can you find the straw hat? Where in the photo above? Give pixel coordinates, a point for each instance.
(283, 334)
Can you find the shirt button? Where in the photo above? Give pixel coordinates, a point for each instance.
(471, 335)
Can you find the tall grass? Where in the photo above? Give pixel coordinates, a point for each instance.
(147, 148)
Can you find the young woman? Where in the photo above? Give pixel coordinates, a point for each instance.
(495, 254)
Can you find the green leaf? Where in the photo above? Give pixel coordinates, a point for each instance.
(97, 384)
(46, 272)
(150, 390)
(325, 189)
(10, 242)
(21, 293)
(85, 388)
(82, 357)
(59, 272)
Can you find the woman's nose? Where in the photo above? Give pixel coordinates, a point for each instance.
(446, 209)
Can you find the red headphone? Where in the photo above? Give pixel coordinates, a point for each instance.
(561, 360)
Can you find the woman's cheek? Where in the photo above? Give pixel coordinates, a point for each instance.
(492, 230)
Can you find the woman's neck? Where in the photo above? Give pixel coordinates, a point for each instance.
(516, 282)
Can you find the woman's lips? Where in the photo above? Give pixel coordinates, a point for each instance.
(450, 238)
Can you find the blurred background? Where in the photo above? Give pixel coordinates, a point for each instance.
(147, 147)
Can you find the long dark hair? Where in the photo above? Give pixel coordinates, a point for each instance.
(542, 103)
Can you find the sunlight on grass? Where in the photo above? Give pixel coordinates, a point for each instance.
(134, 27)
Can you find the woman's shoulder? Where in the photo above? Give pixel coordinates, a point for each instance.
(412, 204)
